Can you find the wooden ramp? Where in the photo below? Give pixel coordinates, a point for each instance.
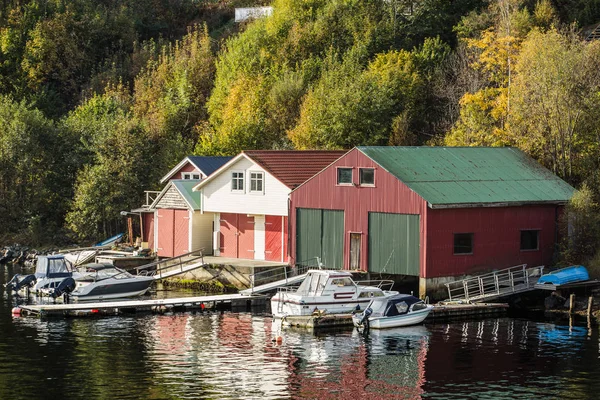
(130, 306)
(172, 266)
(271, 286)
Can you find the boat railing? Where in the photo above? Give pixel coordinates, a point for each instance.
(383, 284)
(171, 264)
(284, 272)
(494, 284)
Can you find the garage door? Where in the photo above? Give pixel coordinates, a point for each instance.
(173, 232)
(394, 243)
(166, 231)
(320, 233)
(236, 236)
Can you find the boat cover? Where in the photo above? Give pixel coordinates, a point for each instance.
(52, 267)
(574, 273)
(399, 304)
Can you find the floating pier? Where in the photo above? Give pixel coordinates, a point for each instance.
(441, 312)
(133, 306)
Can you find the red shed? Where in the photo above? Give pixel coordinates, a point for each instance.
(428, 212)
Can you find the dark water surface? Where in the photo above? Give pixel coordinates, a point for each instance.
(230, 355)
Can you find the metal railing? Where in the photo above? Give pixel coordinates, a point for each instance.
(283, 273)
(171, 264)
(494, 284)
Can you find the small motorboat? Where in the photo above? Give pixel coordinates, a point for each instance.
(105, 281)
(392, 312)
(574, 273)
(331, 292)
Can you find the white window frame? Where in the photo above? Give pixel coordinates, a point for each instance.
(337, 177)
(190, 175)
(262, 180)
(360, 169)
(242, 178)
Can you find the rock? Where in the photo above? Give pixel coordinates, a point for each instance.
(554, 302)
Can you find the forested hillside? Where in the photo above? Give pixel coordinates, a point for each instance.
(99, 98)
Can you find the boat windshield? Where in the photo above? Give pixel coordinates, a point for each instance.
(52, 267)
(313, 284)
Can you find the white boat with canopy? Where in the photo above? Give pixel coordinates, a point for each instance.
(333, 292)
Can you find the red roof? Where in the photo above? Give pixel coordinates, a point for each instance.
(294, 167)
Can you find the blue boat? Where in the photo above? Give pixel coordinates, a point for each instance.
(574, 273)
(109, 241)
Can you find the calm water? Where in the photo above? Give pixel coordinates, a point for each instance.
(237, 356)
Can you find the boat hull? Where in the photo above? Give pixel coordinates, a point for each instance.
(284, 305)
(112, 290)
(397, 321)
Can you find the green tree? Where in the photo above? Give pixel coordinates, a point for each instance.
(555, 102)
(35, 171)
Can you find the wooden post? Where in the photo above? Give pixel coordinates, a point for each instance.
(571, 303)
(130, 230)
(590, 304)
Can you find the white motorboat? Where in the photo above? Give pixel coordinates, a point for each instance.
(55, 276)
(50, 272)
(105, 281)
(393, 312)
(333, 292)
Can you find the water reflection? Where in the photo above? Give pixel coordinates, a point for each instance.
(246, 356)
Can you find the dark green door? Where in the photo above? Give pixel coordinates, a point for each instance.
(394, 243)
(320, 233)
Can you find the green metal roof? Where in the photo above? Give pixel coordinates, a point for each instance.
(185, 186)
(446, 176)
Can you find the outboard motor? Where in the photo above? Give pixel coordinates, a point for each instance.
(67, 285)
(364, 320)
(19, 281)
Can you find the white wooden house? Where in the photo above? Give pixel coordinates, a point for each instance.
(249, 199)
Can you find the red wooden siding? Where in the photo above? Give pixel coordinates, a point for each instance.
(181, 235)
(388, 195)
(164, 221)
(496, 238)
(148, 234)
(274, 237)
(188, 167)
(286, 239)
(236, 236)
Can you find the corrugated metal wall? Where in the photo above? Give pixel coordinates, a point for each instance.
(388, 195)
(320, 233)
(394, 243)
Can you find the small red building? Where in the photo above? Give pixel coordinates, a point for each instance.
(428, 212)
(171, 221)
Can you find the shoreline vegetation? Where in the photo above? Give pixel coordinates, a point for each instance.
(99, 99)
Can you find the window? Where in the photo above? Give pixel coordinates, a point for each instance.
(530, 240)
(463, 243)
(344, 176)
(187, 175)
(366, 176)
(256, 182)
(237, 181)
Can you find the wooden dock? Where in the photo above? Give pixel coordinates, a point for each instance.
(81, 309)
(441, 312)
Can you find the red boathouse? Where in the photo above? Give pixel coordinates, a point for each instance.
(428, 212)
